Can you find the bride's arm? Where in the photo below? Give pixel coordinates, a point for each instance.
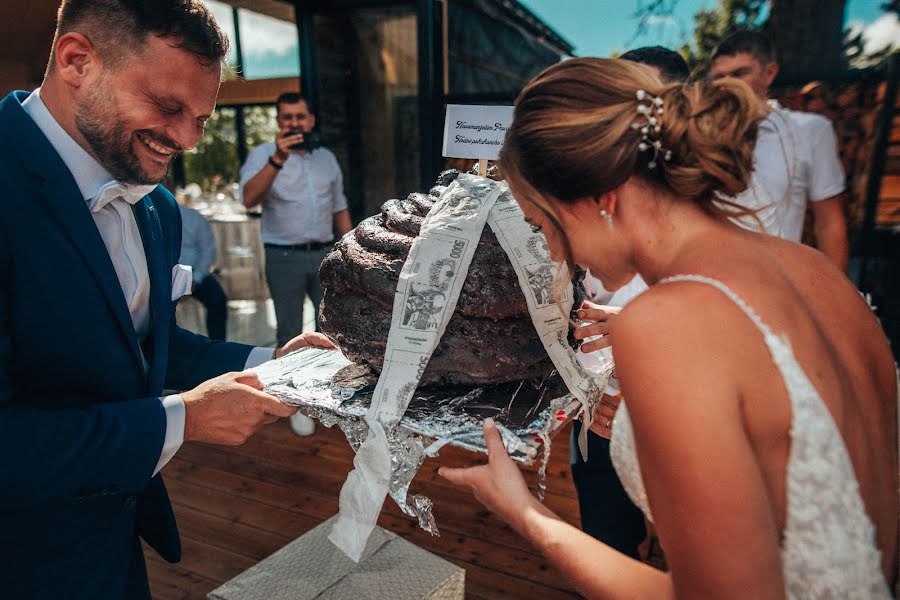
(680, 370)
(597, 570)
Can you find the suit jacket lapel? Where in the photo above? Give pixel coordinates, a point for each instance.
(160, 288)
(65, 204)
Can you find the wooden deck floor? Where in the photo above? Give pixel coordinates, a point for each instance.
(235, 506)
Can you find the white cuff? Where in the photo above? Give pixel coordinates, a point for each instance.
(174, 406)
(258, 356)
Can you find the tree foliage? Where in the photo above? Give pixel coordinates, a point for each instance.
(808, 34)
(712, 25)
(214, 163)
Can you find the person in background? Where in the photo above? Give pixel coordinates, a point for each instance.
(299, 185)
(198, 251)
(89, 277)
(607, 513)
(666, 64)
(797, 161)
(300, 188)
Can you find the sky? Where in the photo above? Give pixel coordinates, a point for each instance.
(594, 27)
(601, 27)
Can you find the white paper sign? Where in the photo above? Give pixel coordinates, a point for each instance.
(472, 131)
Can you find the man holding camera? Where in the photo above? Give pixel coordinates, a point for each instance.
(300, 187)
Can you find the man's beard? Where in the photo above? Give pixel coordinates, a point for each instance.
(101, 124)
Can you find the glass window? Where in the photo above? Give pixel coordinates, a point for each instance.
(225, 19)
(269, 46)
(213, 164)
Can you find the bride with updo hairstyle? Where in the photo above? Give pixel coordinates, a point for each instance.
(758, 429)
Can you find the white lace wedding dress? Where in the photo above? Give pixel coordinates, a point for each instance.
(828, 549)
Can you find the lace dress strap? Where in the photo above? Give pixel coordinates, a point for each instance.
(748, 310)
(828, 547)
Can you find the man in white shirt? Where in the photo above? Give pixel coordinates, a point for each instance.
(799, 165)
(198, 251)
(300, 187)
(89, 274)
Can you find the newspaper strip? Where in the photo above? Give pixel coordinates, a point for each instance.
(430, 283)
(537, 272)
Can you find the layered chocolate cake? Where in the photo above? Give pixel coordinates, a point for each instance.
(490, 338)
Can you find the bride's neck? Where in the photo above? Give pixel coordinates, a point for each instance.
(662, 241)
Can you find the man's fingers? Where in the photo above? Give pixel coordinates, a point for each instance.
(249, 378)
(596, 345)
(592, 329)
(275, 407)
(586, 314)
(319, 340)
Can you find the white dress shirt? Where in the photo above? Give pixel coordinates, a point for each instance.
(110, 204)
(300, 205)
(795, 162)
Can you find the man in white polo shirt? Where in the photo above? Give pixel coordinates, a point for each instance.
(796, 162)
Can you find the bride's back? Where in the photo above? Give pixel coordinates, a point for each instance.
(840, 346)
(863, 402)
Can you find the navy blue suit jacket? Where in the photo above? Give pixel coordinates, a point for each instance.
(81, 423)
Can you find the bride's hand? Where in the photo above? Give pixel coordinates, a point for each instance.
(601, 320)
(499, 484)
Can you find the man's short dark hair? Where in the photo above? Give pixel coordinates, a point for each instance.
(117, 27)
(671, 65)
(290, 98)
(754, 43)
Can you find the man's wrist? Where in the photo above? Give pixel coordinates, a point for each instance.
(276, 163)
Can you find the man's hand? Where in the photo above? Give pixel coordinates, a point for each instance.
(283, 142)
(604, 415)
(600, 324)
(312, 338)
(228, 409)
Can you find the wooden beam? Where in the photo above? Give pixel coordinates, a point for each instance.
(255, 91)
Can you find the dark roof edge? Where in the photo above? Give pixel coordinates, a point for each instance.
(532, 23)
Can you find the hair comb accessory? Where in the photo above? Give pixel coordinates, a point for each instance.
(649, 109)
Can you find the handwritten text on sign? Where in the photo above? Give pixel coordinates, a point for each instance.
(475, 131)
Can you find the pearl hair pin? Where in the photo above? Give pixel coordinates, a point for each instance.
(650, 109)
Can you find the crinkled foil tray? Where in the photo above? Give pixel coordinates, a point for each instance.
(326, 386)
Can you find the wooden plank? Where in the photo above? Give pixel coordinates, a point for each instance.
(329, 444)
(174, 582)
(514, 557)
(237, 505)
(451, 504)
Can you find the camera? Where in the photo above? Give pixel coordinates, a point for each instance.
(311, 140)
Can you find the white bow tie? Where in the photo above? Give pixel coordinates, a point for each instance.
(114, 189)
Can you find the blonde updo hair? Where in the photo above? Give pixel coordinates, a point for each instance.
(572, 136)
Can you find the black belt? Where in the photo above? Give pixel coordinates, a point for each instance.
(307, 247)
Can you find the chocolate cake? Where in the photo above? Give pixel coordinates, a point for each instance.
(490, 338)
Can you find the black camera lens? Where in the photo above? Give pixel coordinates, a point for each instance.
(311, 140)
(301, 145)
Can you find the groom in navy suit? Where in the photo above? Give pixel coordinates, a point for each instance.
(89, 248)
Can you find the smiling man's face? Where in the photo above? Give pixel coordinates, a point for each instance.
(139, 115)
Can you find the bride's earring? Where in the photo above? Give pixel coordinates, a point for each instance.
(607, 216)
